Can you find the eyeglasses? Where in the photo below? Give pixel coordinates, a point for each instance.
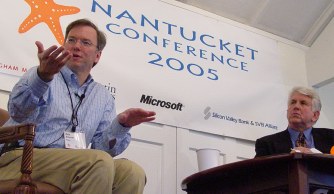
(83, 42)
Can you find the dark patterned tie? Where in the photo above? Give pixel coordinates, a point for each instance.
(301, 142)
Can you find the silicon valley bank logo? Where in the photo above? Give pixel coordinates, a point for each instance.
(207, 113)
(146, 99)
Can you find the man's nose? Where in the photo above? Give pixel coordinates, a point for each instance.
(77, 45)
(297, 105)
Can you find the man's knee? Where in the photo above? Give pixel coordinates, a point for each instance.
(71, 170)
(72, 155)
(129, 177)
(128, 168)
(98, 157)
(95, 168)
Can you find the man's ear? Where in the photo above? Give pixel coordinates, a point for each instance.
(97, 58)
(316, 115)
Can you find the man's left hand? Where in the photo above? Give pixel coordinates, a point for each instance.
(135, 116)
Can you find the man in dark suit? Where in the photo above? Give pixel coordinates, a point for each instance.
(304, 107)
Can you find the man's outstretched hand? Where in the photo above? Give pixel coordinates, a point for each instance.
(51, 60)
(135, 116)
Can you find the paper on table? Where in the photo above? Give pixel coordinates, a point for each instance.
(313, 150)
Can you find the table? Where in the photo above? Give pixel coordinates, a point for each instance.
(296, 173)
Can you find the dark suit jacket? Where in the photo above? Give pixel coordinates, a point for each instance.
(280, 143)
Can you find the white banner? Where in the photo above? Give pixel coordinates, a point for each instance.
(194, 71)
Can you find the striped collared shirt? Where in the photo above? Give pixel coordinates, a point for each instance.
(49, 106)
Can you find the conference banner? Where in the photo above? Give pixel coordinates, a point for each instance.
(196, 72)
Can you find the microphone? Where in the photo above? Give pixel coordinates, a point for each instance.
(80, 97)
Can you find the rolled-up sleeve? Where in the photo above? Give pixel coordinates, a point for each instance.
(27, 95)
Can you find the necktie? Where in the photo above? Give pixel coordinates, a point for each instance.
(301, 142)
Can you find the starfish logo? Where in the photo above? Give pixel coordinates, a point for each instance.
(48, 12)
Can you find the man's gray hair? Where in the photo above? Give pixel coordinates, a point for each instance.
(310, 92)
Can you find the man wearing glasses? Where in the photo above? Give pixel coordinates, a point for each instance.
(73, 111)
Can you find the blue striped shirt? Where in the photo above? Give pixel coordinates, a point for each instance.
(48, 105)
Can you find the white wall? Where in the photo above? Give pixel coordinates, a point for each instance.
(320, 73)
(326, 93)
(320, 58)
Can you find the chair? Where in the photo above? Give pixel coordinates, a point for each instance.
(25, 185)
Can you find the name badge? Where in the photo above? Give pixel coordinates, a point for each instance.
(75, 140)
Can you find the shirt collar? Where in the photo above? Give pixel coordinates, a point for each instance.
(294, 134)
(71, 77)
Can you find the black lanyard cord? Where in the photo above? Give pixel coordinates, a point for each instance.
(74, 117)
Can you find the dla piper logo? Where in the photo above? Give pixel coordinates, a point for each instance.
(111, 89)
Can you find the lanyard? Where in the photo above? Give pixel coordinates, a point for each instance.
(74, 117)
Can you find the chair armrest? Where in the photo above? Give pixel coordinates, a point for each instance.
(14, 133)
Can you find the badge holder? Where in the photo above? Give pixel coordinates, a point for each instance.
(75, 140)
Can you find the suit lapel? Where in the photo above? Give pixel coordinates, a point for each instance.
(319, 142)
(284, 143)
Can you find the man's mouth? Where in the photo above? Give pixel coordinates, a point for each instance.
(295, 114)
(76, 55)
